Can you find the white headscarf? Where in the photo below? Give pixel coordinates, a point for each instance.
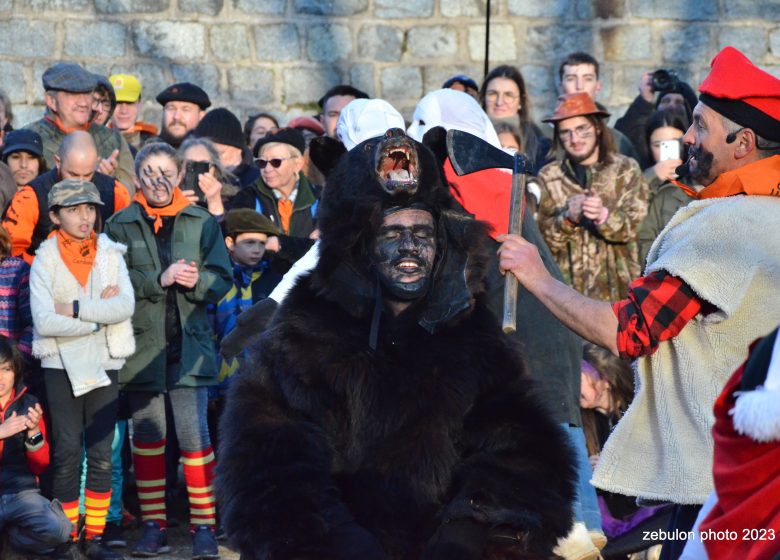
(362, 119)
(450, 109)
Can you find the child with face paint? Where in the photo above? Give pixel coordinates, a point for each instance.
(81, 300)
(178, 266)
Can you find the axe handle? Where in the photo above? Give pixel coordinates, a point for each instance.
(516, 208)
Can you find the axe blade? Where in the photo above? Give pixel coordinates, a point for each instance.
(469, 153)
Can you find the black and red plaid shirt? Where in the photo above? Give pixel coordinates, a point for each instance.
(658, 306)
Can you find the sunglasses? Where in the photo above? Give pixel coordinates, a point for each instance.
(275, 162)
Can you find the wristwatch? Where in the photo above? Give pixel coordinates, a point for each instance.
(34, 440)
(75, 309)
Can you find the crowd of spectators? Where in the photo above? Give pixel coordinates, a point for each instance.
(179, 229)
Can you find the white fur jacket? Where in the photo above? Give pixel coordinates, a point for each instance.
(108, 319)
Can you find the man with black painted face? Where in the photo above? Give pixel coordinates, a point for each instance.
(404, 252)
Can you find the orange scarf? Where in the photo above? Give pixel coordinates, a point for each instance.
(178, 203)
(77, 254)
(758, 178)
(285, 208)
(58, 123)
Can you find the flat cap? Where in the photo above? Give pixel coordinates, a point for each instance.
(184, 91)
(70, 77)
(71, 192)
(246, 220)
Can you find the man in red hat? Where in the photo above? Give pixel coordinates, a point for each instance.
(709, 290)
(593, 202)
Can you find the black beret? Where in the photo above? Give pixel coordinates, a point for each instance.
(291, 136)
(184, 91)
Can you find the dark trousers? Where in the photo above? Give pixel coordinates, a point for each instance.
(683, 518)
(34, 524)
(77, 422)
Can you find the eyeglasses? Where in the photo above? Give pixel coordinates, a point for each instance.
(492, 96)
(275, 162)
(582, 131)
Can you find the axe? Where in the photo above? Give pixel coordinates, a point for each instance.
(469, 153)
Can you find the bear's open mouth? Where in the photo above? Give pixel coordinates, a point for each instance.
(397, 167)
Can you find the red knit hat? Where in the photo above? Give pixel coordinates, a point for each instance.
(742, 92)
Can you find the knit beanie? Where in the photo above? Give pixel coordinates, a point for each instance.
(221, 126)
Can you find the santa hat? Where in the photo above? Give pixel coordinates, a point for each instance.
(742, 92)
(757, 409)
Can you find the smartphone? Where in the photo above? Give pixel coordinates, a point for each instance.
(192, 169)
(670, 149)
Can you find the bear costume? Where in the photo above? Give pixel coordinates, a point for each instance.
(366, 434)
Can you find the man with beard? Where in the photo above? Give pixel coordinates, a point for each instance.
(184, 105)
(388, 417)
(593, 201)
(709, 290)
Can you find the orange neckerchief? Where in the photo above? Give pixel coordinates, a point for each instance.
(761, 177)
(285, 208)
(178, 203)
(77, 254)
(56, 122)
(139, 127)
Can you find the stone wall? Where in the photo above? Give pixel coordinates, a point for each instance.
(281, 55)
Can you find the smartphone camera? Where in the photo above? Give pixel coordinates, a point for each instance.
(192, 170)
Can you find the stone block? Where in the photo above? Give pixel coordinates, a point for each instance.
(401, 83)
(95, 39)
(627, 42)
(6, 5)
(230, 42)
(131, 6)
(465, 8)
(544, 42)
(765, 10)
(696, 10)
(539, 84)
(774, 42)
(432, 41)
(153, 79)
(39, 68)
(35, 6)
(329, 43)
(361, 76)
(392, 9)
(686, 44)
(170, 39)
(99, 68)
(25, 114)
(435, 75)
(205, 76)
(253, 85)
(331, 7)
(503, 47)
(539, 8)
(277, 43)
(625, 89)
(304, 86)
(14, 84)
(27, 38)
(267, 7)
(750, 40)
(205, 7)
(381, 43)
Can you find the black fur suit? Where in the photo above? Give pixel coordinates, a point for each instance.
(417, 433)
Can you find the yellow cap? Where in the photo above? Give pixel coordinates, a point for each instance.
(127, 88)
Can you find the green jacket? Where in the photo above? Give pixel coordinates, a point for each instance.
(106, 140)
(666, 199)
(196, 237)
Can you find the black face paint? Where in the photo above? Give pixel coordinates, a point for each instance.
(701, 166)
(160, 185)
(404, 253)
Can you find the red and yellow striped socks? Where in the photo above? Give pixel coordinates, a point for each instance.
(199, 476)
(96, 506)
(71, 510)
(149, 464)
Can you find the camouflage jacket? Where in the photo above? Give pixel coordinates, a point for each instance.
(106, 140)
(597, 260)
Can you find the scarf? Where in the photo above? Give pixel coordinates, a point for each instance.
(486, 194)
(177, 204)
(77, 254)
(757, 178)
(58, 123)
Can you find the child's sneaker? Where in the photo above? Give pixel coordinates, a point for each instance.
(204, 543)
(154, 541)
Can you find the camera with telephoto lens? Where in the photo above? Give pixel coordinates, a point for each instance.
(665, 80)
